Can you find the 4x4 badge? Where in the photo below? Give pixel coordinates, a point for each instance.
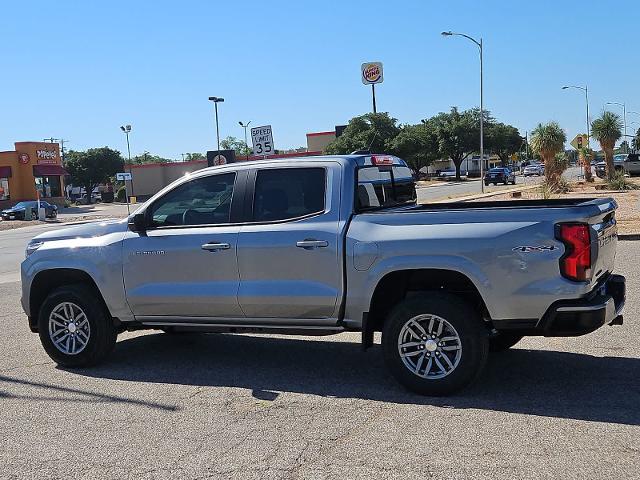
(527, 249)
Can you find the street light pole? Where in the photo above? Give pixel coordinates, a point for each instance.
(480, 46)
(624, 119)
(215, 101)
(127, 129)
(245, 125)
(586, 98)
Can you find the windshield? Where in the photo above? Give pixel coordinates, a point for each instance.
(382, 187)
(22, 205)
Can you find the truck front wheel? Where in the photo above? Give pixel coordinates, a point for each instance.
(435, 344)
(74, 328)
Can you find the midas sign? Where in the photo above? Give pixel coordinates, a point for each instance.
(372, 73)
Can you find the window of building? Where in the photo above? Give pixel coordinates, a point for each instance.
(286, 193)
(202, 201)
(49, 187)
(4, 189)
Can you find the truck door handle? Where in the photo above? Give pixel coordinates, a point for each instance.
(213, 247)
(310, 244)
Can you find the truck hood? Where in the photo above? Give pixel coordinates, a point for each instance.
(87, 230)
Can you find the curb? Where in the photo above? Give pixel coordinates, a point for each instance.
(486, 195)
(627, 237)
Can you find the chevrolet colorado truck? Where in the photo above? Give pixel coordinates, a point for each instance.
(323, 245)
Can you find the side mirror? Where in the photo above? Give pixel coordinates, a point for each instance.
(138, 223)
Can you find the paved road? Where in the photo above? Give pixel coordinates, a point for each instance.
(248, 406)
(12, 245)
(444, 190)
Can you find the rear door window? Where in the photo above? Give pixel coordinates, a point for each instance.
(288, 193)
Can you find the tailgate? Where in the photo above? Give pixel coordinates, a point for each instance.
(604, 239)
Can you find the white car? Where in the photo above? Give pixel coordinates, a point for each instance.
(533, 169)
(450, 173)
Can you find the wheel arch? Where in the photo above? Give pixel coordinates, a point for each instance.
(46, 281)
(398, 285)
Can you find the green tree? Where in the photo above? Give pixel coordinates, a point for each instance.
(548, 140)
(503, 140)
(190, 157)
(233, 143)
(89, 169)
(457, 133)
(585, 154)
(636, 141)
(607, 129)
(417, 144)
(372, 131)
(146, 157)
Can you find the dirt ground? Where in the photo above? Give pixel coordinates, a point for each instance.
(627, 215)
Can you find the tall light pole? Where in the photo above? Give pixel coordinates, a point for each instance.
(479, 44)
(245, 125)
(127, 129)
(585, 89)
(215, 101)
(624, 119)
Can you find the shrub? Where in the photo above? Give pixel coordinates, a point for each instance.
(121, 194)
(620, 182)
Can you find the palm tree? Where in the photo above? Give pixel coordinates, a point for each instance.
(548, 140)
(585, 155)
(607, 130)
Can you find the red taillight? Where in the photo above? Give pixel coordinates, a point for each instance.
(381, 160)
(575, 264)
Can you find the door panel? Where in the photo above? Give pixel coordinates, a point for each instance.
(291, 268)
(169, 273)
(185, 264)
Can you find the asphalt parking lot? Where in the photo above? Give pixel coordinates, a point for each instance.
(243, 406)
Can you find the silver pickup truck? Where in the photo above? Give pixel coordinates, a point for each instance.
(323, 245)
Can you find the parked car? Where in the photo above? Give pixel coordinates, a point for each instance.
(450, 173)
(618, 165)
(323, 245)
(17, 212)
(632, 164)
(500, 175)
(533, 169)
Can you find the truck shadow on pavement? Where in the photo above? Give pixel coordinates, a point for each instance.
(532, 382)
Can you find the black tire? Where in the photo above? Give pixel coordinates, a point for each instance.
(503, 341)
(470, 329)
(102, 331)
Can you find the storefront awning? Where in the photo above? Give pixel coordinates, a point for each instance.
(5, 172)
(48, 170)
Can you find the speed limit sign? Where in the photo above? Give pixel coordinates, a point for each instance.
(262, 140)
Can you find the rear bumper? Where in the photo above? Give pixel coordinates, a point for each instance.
(570, 318)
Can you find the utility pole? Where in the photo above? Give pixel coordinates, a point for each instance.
(479, 45)
(245, 125)
(215, 101)
(62, 141)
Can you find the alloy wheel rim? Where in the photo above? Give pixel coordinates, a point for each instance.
(69, 328)
(429, 346)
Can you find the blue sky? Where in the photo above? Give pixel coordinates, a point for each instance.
(79, 70)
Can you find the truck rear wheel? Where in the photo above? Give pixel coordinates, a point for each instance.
(435, 344)
(74, 328)
(503, 341)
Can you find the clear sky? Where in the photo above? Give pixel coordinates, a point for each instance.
(78, 70)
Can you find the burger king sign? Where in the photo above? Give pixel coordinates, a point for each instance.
(371, 73)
